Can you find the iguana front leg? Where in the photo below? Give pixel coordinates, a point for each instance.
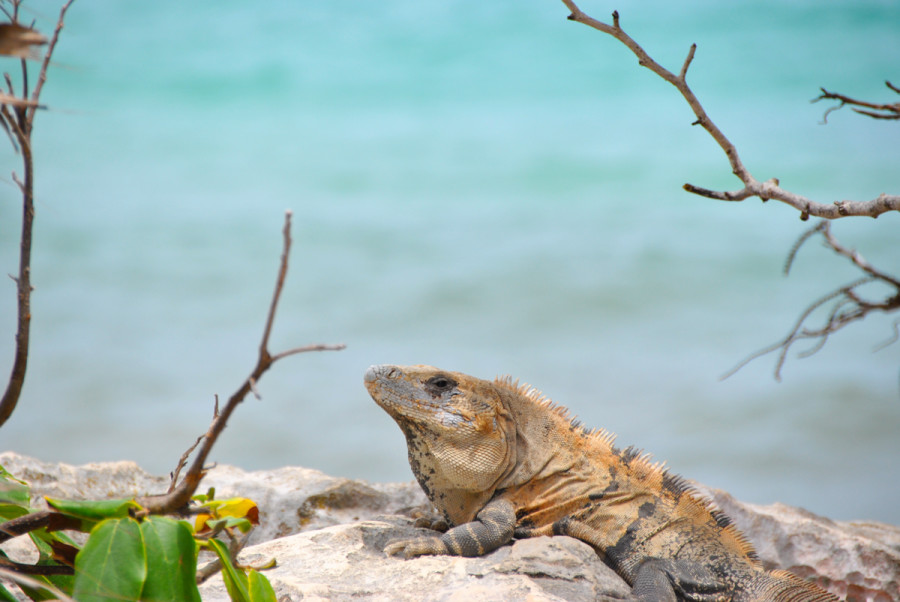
(492, 528)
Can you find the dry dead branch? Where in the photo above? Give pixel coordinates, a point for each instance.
(17, 118)
(753, 187)
(179, 496)
(874, 110)
(848, 304)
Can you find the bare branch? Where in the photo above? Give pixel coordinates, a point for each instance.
(687, 62)
(848, 304)
(42, 76)
(182, 461)
(176, 499)
(857, 259)
(879, 110)
(24, 524)
(308, 348)
(799, 243)
(35, 569)
(752, 187)
(20, 122)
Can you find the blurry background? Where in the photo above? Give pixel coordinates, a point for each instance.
(482, 186)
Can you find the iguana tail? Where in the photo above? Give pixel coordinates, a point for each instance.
(784, 586)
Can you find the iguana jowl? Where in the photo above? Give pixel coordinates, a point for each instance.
(499, 460)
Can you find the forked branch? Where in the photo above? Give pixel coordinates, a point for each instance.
(17, 119)
(870, 109)
(766, 190)
(847, 303)
(179, 496)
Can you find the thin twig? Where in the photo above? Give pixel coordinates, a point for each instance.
(182, 461)
(752, 187)
(308, 348)
(799, 243)
(848, 305)
(879, 110)
(42, 76)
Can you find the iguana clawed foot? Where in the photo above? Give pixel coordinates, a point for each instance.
(425, 544)
(416, 546)
(433, 522)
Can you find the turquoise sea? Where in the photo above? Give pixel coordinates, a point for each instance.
(482, 186)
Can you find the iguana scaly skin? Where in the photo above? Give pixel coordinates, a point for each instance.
(499, 460)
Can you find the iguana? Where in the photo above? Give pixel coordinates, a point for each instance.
(499, 460)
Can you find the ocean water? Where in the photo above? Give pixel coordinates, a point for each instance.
(486, 187)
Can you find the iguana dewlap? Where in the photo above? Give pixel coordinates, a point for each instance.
(499, 460)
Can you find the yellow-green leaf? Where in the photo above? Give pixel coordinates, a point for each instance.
(239, 507)
(12, 490)
(236, 581)
(260, 588)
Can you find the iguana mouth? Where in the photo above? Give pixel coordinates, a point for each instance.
(405, 397)
(391, 389)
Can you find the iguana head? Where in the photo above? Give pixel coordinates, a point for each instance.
(460, 435)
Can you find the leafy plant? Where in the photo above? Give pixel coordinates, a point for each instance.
(135, 549)
(128, 555)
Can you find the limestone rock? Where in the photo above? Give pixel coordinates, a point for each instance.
(858, 561)
(290, 499)
(346, 562)
(327, 535)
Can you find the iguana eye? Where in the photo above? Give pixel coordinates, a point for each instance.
(436, 385)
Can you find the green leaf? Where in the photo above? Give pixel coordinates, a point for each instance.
(11, 511)
(260, 588)
(171, 561)
(205, 497)
(93, 510)
(113, 563)
(236, 581)
(6, 475)
(43, 541)
(12, 491)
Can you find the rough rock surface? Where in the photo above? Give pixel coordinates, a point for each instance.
(290, 499)
(346, 562)
(327, 535)
(854, 560)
